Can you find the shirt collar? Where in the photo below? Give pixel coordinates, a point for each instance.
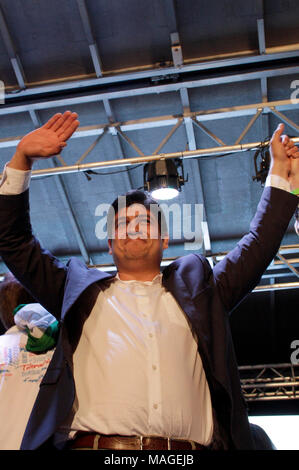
(156, 280)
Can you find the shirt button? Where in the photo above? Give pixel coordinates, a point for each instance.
(155, 406)
(150, 335)
(154, 367)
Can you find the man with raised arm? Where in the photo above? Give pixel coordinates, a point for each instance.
(144, 360)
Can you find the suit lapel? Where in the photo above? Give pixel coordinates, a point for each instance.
(79, 278)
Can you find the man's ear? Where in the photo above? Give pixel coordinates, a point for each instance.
(165, 242)
(110, 246)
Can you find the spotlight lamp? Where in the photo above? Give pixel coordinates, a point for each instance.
(262, 172)
(162, 179)
(263, 152)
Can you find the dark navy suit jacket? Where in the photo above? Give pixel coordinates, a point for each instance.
(206, 296)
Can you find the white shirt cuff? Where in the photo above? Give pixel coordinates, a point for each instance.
(14, 181)
(278, 182)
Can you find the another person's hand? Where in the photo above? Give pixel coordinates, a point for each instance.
(296, 225)
(46, 141)
(294, 174)
(294, 183)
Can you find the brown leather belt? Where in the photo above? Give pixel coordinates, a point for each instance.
(85, 440)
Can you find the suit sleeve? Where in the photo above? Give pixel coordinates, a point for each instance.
(38, 270)
(240, 271)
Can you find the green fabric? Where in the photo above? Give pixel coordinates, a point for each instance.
(45, 342)
(18, 308)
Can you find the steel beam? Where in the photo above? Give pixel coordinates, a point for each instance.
(171, 15)
(72, 217)
(249, 125)
(11, 50)
(161, 121)
(270, 381)
(147, 158)
(141, 90)
(116, 140)
(65, 198)
(93, 48)
(261, 35)
(271, 287)
(168, 136)
(285, 119)
(196, 65)
(288, 264)
(129, 141)
(207, 131)
(90, 148)
(247, 110)
(195, 168)
(214, 258)
(264, 89)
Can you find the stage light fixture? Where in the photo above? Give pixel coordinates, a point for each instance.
(264, 154)
(162, 179)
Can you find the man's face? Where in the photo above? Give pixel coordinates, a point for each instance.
(137, 236)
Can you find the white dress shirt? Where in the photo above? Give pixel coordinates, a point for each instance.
(137, 369)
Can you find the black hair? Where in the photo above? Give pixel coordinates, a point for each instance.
(136, 196)
(12, 294)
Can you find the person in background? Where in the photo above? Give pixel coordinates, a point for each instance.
(261, 439)
(26, 350)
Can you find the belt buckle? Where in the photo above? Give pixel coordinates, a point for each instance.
(168, 443)
(96, 442)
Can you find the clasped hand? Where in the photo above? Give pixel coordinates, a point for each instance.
(284, 157)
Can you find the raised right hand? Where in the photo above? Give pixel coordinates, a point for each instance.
(46, 141)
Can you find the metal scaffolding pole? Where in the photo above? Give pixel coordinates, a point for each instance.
(145, 90)
(198, 153)
(11, 50)
(256, 110)
(211, 63)
(66, 200)
(270, 382)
